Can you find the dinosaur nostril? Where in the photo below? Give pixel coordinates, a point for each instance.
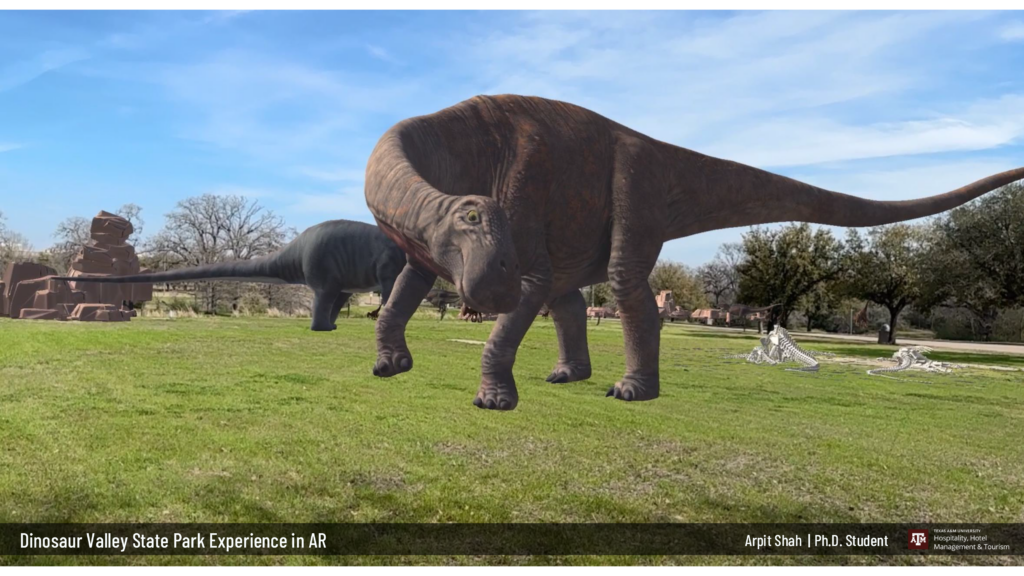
(503, 266)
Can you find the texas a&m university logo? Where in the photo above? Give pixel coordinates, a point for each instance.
(918, 539)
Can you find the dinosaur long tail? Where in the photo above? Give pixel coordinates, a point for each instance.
(729, 194)
(258, 269)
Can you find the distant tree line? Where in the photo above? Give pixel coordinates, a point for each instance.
(959, 274)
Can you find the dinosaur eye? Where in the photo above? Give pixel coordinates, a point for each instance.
(472, 216)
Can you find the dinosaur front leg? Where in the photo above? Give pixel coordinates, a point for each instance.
(497, 386)
(569, 313)
(393, 356)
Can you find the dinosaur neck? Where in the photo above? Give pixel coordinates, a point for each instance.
(406, 206)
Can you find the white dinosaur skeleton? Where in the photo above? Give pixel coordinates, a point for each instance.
(779, 347)
(913, 357)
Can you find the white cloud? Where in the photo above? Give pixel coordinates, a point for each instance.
(222, 16)
(381, 54)
(167, 25)
(346, 203)
(8, 146)
(1012, 32)
(690, 81)
(806, 140)
(274, 109)
(333, 175)
(25, 71)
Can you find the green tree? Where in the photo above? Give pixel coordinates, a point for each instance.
(822, 305)
(885, 267)
(975, 258)
(687, 288)
(599, 295)
(783, 265)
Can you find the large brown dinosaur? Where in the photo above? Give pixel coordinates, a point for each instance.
(520, 201)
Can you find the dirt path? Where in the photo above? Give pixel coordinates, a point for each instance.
(871, 339)
(937, 344)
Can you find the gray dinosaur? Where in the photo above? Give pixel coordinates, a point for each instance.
(335, 258)
(520, 201)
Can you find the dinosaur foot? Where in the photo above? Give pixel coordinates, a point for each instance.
(569, 372)
(497, 393)
(392, 362)
(635, 388)
(323, 327)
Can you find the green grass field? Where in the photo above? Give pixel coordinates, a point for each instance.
(261, 420)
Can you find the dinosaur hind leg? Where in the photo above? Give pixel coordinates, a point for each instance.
(569, 313)
(323, 305)
(640, 323)
(638, 224)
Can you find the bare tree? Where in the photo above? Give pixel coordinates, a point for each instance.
(209, 228)
(720, 277)
(133, 213)
(13, 246)
(71, 234)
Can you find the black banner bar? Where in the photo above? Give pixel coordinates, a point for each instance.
(512, 539)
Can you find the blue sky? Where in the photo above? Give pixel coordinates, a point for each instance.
(102, 108)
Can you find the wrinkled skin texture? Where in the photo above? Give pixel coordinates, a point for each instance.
(335, 258)
(569, 199)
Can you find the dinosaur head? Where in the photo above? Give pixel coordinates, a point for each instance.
(474, 245)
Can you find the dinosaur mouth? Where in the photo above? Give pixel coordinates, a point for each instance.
(489, 297)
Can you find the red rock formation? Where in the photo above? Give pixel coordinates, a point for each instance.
(108, 253)
(16, 273)
(99, 313)
(27, 292)
(36, 298)
(666, 303)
